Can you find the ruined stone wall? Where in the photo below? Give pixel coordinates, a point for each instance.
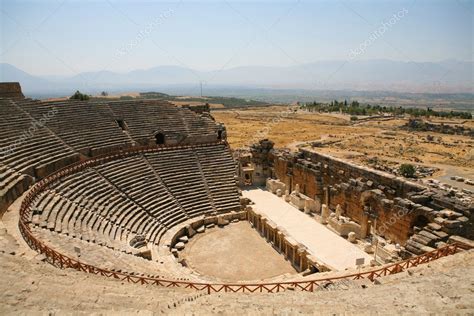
(373, 198)
(280, 170)
(200, 108)
(307, 179)
(390, 218)
(313, 171)
(10, 90)
(335, 170)
(292, 172)
(260, 161)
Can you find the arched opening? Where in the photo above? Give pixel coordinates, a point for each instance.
(247, 178)
(160, 139)
(219, 135)
(121, 124)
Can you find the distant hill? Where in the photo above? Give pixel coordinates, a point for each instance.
(9, 73)
(370, 75)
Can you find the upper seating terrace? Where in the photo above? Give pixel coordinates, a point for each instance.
(39, 137)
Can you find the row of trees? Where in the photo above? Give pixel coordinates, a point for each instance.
(82, 96)
(355, 108)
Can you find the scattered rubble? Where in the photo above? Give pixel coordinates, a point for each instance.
(394, 167)
(423, 126)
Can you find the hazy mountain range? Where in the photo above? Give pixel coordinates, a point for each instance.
(449, 76)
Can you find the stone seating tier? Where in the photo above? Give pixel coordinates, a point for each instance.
(144, 194)
(40, 137)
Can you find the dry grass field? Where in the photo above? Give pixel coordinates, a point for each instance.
(383, 140)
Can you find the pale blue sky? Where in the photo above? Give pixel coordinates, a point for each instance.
(67, 37)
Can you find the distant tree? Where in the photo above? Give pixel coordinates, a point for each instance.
(407, 170)
(79, 96)
(104, 93)
(355, 108)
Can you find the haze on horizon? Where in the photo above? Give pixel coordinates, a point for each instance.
(65, 38)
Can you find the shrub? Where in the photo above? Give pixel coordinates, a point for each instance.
(407, 170)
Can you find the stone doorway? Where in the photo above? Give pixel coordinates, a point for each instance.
(160, 139)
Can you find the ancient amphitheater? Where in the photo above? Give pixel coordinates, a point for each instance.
(142, 206)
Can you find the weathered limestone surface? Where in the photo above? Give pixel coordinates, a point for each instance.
(344, 226)
(273, 185)
(179, 246)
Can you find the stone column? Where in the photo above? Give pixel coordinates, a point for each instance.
(317, 200)
(338, 211)
(278, 238)
(294, 255)
(364, 226)
(326, 195)
(304, 260)
(306, 207)
(324, 214)
(300, 254)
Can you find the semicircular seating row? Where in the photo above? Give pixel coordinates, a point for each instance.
(144, 194)
(39, 137)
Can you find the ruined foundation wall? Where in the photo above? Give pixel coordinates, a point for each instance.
(394, 216)
(292, 174)
(394, 221)
(335, 171)
(373, 198)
